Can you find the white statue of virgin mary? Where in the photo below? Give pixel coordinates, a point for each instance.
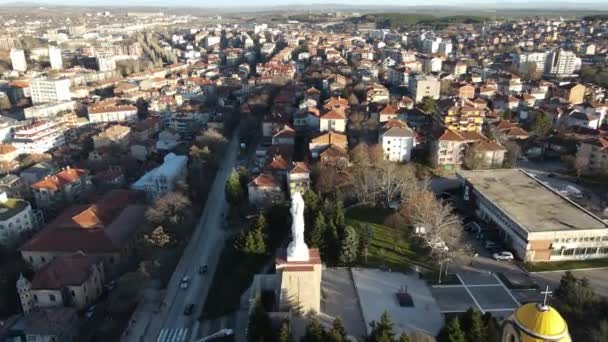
(297, 249)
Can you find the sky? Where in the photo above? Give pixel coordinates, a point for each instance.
(589, 4)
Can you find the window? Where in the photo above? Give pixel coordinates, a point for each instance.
(52, 297)
(603, 250)
(73, 293)
(568, 252)
(43, 259)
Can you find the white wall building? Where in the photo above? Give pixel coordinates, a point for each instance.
(18, 60)
(106, 63)
(55, 58)
(524, 60)
(424, 85)
(48, 109)
(163, 178)
(17, 221)
(38, 137)
(397, 143)
(45, 90)
(561, 63)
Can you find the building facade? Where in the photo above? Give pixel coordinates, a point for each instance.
(44, 90)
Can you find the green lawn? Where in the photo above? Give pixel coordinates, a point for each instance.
(565, 265)
(390, 248)
(233, 276)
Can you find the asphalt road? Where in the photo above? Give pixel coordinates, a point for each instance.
(204, 249)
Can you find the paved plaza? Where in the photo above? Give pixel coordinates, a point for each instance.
(480, 290)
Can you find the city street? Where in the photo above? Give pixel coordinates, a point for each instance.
(204, 249)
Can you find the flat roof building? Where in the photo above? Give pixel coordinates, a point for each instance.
(537, 222)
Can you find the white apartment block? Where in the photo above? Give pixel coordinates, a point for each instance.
(445, 48)
(44, 90)
(106, 63)
(164, 178)
(112, 113)
(524, 60)
(561, 63)
(55, 58)
(424, 85)
(397, 143)
(18, 60)
(38, 137)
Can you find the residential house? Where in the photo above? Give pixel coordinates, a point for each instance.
(322, 142)
(389, 112)
(112, 110)
(461, 114)
(37, 172)
(397, 141)
(447, 150)
(307, 119)
(66, 281)
(377, 93)
(115, 135)
(264, 189)
(106, 229)
(574, 93)
(65, 187)
(286, 136)
(164, 178)
(8, 153)
(490, 154)
(146, 129)
(38, 137)
(592, 156)
(46, 325)
(298, 178)
(581, 119)
(333, 119)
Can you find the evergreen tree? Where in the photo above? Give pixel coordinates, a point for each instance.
(285, 333)
(311, 202)
(349, 246)
(261, 225)
(317, 233)
(260, 326)
(314, 332)
(234, 191)
(382, 331)
(476, 330)
(340, 219)
(454, 332)
(337, 332)
(404, 338)
(259, 241)
(492, 328)
(329, 209)
(331, 243)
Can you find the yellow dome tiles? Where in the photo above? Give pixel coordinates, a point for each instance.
(541, 323)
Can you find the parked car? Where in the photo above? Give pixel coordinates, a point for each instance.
(189, 309)
(185, 282)
(202, 269)
(506, 256)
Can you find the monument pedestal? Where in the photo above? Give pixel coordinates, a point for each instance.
(300, 282)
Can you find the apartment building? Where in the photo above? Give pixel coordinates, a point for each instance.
(397, 141)
(55, 192)
(424, 85)
(18, 60)
(561, 63)
(447, 150)
(55, 58)
(592, 156)
(112, 111)
(113, 135)
(38, 137)
(45, 90)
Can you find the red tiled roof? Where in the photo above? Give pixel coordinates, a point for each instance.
(64, 271)
(6, 149)
(60, 179)
(449, 135)
(299, 167)
(265, 180)
(334, 114)
(285, 132)
(85, 227)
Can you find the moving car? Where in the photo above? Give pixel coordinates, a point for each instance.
(185, 282)
(508, 256)
(189, 309)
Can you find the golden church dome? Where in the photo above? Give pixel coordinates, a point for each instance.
(541, 322)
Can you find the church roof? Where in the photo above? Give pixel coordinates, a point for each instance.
(542, 322)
